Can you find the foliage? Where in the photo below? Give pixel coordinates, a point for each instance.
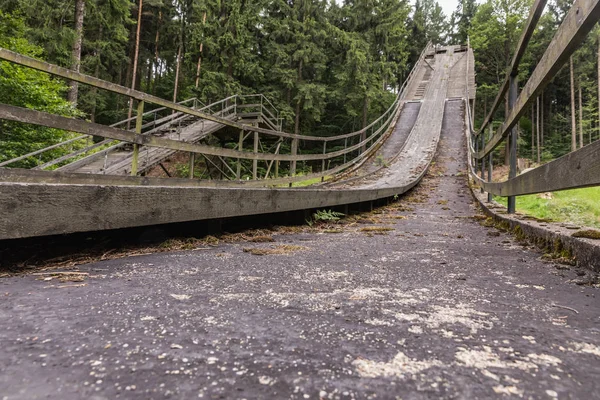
(324, 216)
(25, 87)
(329, 67)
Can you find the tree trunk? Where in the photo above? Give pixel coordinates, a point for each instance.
(365, 112)
(573, 123)
(532, 131)
(538, 130)
(76, 50)
(580, 117)
(542, 123)
(598, 86)
(155, 63)
(296, 122)
(178, 65)
(200, 54)
(135, 59)
(96, 75)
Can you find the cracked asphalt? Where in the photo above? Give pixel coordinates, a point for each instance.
(432, 306)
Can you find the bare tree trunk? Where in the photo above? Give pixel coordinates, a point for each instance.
(178, 65)
(200, 55)
(135, 59)
(598, 86)
(96, 75)
(532, 131)
(76, 50)
(539, 159)
(580, 118)
(155, 63)
(296, 123)
(542, 123)
(365, 112)
(573, 123)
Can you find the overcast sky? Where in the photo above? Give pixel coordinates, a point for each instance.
(448, 6)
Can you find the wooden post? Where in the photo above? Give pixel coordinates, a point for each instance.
(474, 160)
(512, 139)
(323, 160)
(294, 153)
(482, 160)
(238, 174)
(192, 162)
(138, 130)
(255, 162)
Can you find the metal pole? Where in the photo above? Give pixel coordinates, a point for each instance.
(512, 97)
(138, 130)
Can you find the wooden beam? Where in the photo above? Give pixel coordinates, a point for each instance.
(25, 115)
(578, 169)
(579, 21)
(534, 16)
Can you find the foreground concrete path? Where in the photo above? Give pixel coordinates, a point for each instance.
(437, 307)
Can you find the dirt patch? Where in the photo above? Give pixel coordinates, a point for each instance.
(276, 250)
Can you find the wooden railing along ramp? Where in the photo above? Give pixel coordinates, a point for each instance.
(35, 202)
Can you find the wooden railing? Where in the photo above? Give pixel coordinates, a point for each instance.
(580, 168)
(344, 150)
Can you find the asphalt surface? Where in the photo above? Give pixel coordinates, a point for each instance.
(437, 306)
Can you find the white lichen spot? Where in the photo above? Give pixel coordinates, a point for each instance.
(530, 339)
(147, 318)
(490, 375)
(486, 358)
(211, 360)
(584, 348)
(508, 390)
(447, 334)
(378, 322)
(544, 359)
(415, 329)
(181, 296)
(266, 380)
(552, 393)
(399, 366)
(407, 317)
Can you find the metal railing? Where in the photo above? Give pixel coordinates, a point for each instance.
(580, 168)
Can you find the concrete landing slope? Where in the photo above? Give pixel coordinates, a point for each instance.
(420, 146)
(389, 150)
(36, 208)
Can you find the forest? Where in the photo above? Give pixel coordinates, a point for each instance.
(328, 66)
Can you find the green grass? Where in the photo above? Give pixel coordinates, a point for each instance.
(307, 182)
(577, 206)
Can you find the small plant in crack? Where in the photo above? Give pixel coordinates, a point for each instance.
(324, 216)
